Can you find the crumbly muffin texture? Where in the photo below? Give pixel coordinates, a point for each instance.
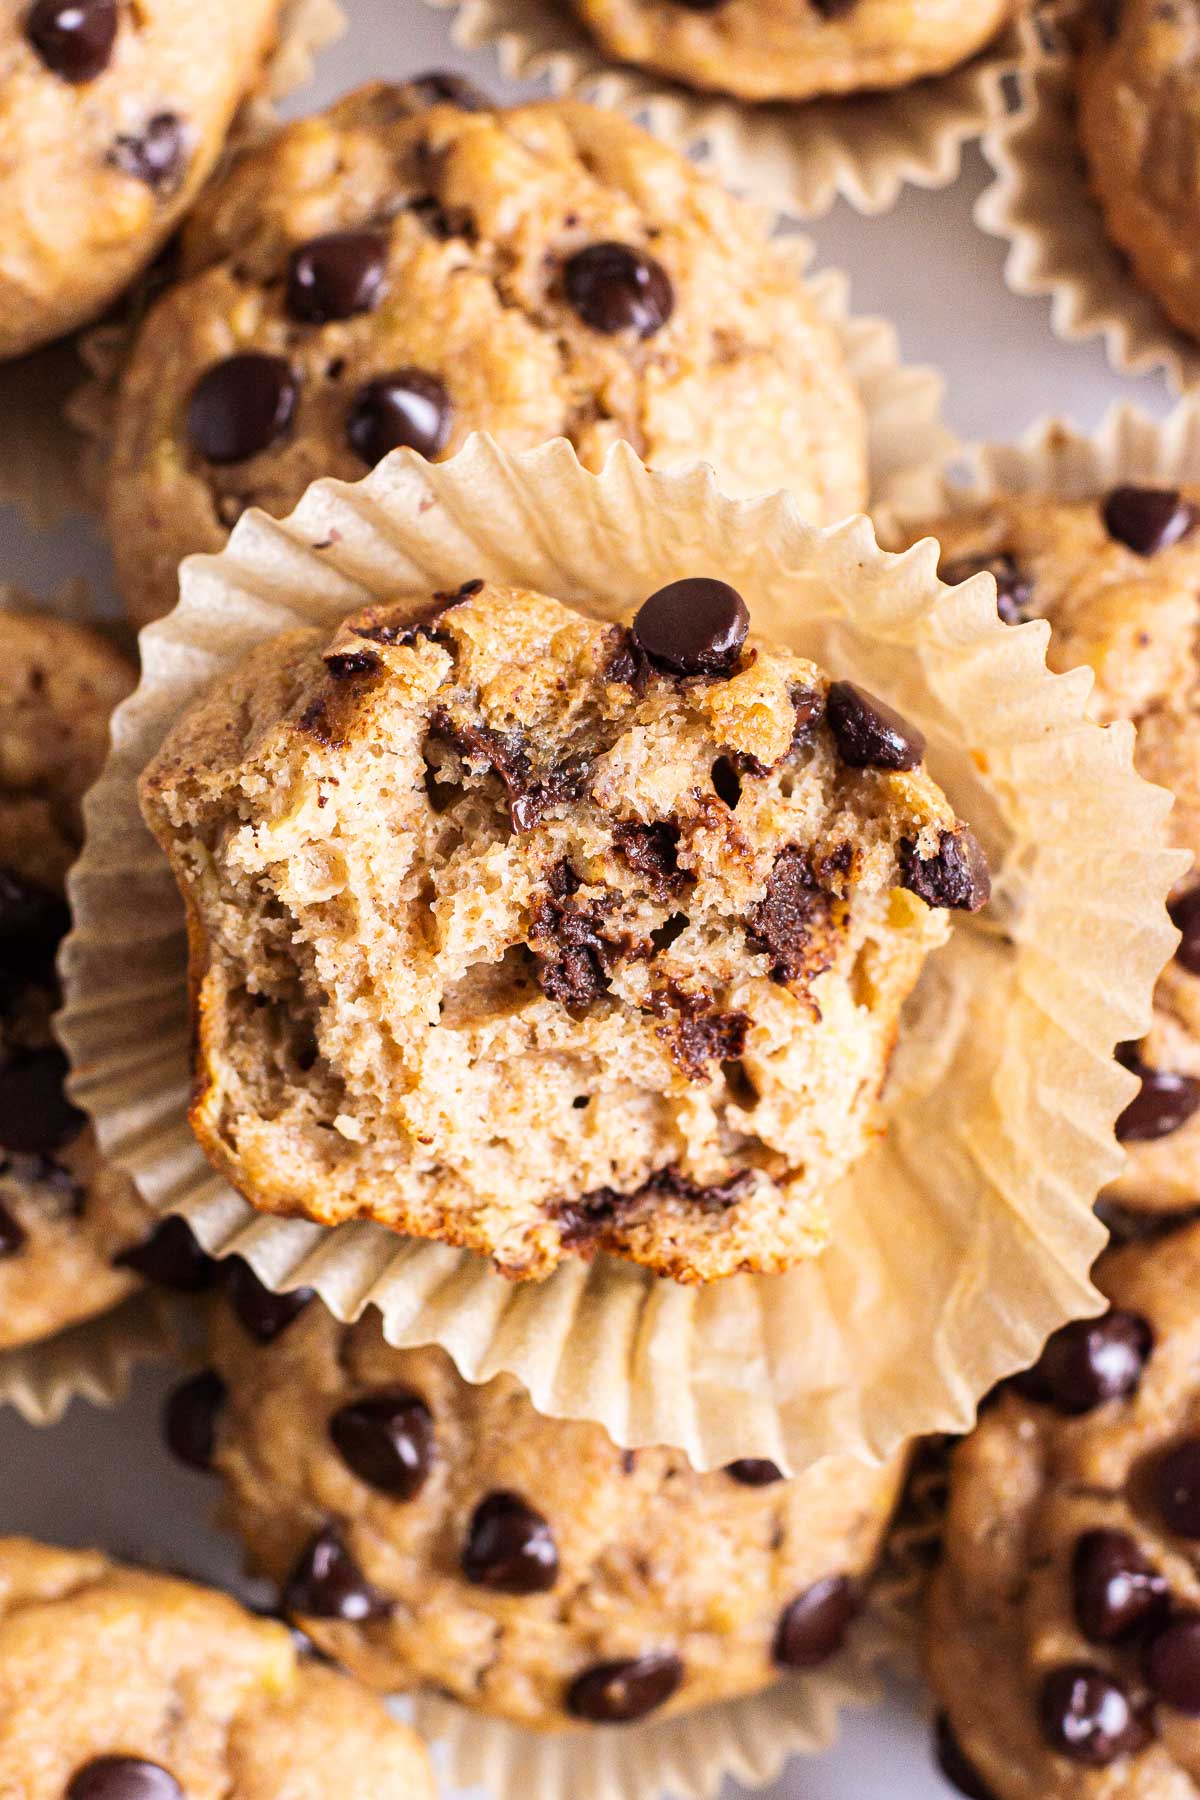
(64, 1213)
(795, 49)
(118, 1684)
(112, 115)
(508, 932)
(1063, 1630)
(395, 272)
(1138, 90)
(430, 1532)
(1118, 578)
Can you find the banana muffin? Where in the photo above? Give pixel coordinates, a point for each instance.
(399, 272)
(545, 936)
(112, 115)
(428, 1532)
(118, 1684)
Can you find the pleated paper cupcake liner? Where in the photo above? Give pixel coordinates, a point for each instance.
(93, 1360)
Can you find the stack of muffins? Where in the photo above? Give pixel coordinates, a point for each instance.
(539, 935)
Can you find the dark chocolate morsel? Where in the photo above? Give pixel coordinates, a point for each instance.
(335, 276)
(1086, 1715)
(617, 1693)
(1171, 1664)
(1177, 1488)
(123, 1778)
(868, 734)
(1147, 519)
(387, 1439)
(1116, 1590)
(510, 1548)
(813, 1626)
(1014, 589)
(73, 38)
(406, 408)
(1088, 1362)
(1185, 916)
(190, 1418)
(955, 876)
(613, 287)
(693, 627)
(171, 1257)
(241, 406)
(754, 1471)
(327, 1583)
(1165, 1101)
(264, 1314)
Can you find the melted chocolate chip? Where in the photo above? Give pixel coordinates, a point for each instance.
(170, 1257)
(868, 734)
(1014, 589)
(156, 156)
(241, 406)
(347, 663)
(12, 1235)
(614, 287)
(1171, 1664)
(754, 1471)
(616, 1693)
(791, 923)
(693, 627)
(1089, 1362)
(327, 1583)
(530, 794)
(652, 851)
(813, 1626)
(35, 1113)
(956, 876)
(190, 1418)
(700, 1036)
(73, 38)
(1087, 1715)
(1116, 1590)
(1165, 1101)
(1185, 916)
(1147, 519)
(510, 1548)
(263, 1314)
(955, 1765)
(387, 1439)
(123, 1778)
(627, 661)
(404, 408)
(568, 950)
(336, 276)
(1177, 1488)
(441, 87)
(590, 1215)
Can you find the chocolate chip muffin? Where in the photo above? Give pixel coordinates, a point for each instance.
(1138, 83)
(546, 936)
(393, 273)
(112, 115)
(794, 49)
(117, 1684)
(1064, 1621)
(64, 1213)
(1119, 580)
(427, 1532)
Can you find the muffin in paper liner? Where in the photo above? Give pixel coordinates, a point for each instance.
(965, 1235)
(797, 158)
(1041, 203)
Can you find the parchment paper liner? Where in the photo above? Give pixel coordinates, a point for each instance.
(1040, 202)
(964, 1236)
(797, 158)
(93, 1360)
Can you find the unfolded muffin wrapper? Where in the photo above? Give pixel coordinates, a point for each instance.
(965, 1234)
(1040, 202)
(797, 158)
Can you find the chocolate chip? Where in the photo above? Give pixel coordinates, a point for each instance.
(693, 627)
(1177, 1488)
(35, 1113)
(1171, 1663)
(74, 38)
(327, 1583)
(868, 734)
(510, 1548)
(1185, 916)
(190, 1418)
(12, 1235)
(955, 1765)
(264, 1314)
(347, 663)
(1116, 1590)
(336, 276)
(616, 1693)
(956, 875)
(441, 87)
(1089, 1362)
(1147, 519)
(1014, 589)
(754, 1471)
(1087, 1716)
(157, 155)
(699, 1035)
(170, 1257)
(387, 1439)
(1165, 1101)
(792, 921)
(813, 1626)
(614, 287)
(588, 1216)
(407, 407)
(700, 6)
(652, 851)
(241, 406)
(123, 1778)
